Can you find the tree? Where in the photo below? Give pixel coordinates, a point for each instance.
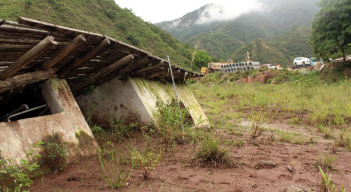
(202, 58)
(332, 28)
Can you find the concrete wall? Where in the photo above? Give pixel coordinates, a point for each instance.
(68, 124)
(136, 98)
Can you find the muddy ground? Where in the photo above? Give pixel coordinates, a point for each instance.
(258, 165)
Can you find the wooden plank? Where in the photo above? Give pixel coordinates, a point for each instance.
(175, 72)
(105, 71)
(150, 66)
(11, 94)
(132, 66)
(58, 28)
(28, 57)
(2, 22)
(64, 52)
(25, 79)
(164, 71)
(87, 56)
(23, 30)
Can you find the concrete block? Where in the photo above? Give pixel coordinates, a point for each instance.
(67, 123)
(136, 99)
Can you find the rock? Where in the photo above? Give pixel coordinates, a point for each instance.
(298, 188)
(265, 164)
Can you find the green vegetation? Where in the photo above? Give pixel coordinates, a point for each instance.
(56, 155)
(18, 177)
(112, 171)
(210, 151)
(296, 99)
(104, 17)
(331, 28)
(327, 184)
(222, 38)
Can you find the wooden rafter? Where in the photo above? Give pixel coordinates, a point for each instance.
(105, 71)
(28, 57)
(64, 52)
(87, 56)
(150, 66)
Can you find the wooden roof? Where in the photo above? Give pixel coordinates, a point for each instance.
(83, 58)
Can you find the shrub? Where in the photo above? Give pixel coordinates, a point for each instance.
(210, 151)
(146, 161)
(110, 13)
(56, 155)
(258, 118)
(133, 38)
(112, 172)
(17, 177)
(28, 2)
(171, 122)
(122, 26)
(325, 162)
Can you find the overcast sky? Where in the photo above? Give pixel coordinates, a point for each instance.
(165, 10)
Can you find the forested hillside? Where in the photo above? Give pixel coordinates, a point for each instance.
(101, 16)
(222, 38)
(281, 49)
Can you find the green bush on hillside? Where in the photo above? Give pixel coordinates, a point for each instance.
(133, 38)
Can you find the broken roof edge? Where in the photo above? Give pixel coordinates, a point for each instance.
(24, 21)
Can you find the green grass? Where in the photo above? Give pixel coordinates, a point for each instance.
(305, 99)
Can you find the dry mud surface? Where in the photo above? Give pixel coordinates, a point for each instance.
(260, 166)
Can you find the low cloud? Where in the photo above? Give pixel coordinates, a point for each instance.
(228, 11)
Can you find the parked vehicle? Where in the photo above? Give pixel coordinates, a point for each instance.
(302, 61)
(270, 66)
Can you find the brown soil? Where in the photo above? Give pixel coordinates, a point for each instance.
(178, 172)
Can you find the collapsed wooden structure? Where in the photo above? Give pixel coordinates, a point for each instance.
(32, 51)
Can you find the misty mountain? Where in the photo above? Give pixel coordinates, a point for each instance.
(221, 37)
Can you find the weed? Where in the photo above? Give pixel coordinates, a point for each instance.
(17, 177)
(171, 122)
(146, 161)
(112, 172)
(56, 159)
(344, 139)
(258, 119)
(325, 162)
(209, 151)
(108, 150)
(326, 182)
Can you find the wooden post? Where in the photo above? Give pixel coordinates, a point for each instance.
(175, 72)
(28, 57)
(64, 52)
(11, 94)
(150, 66)
(26, 79)
(87, 56)
(105, 71)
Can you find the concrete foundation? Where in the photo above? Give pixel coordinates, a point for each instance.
(66, 124)
(135, 99)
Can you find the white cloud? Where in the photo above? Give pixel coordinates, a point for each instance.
(161, 10)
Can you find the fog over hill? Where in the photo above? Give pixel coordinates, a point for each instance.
(221, 30)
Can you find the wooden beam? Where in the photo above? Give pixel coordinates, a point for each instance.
(11, 94)
(23, 30)
(164, 71)
(87, 56)
(25, 79)
(175, 72)
(28, 57)
(2, 22)
(105, 71)
(132, 66)
(64, 52)
(150, 66)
